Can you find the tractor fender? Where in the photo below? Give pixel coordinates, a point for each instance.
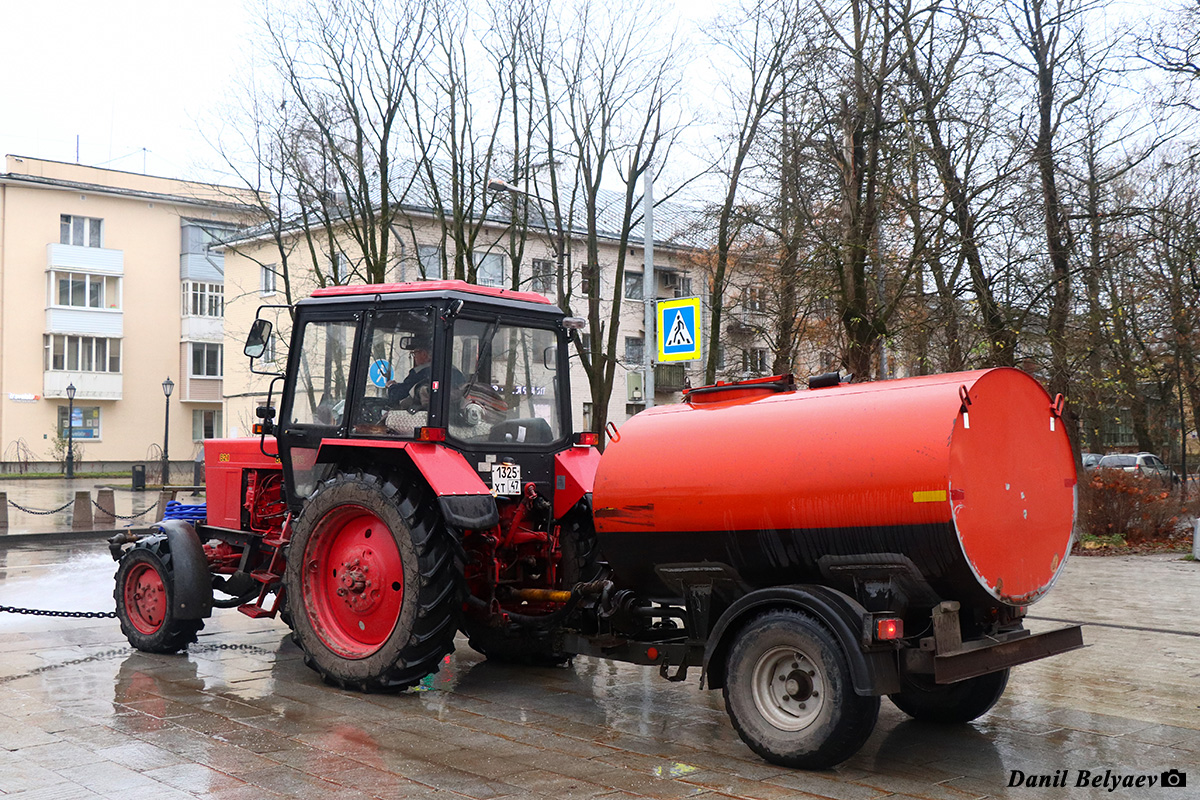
(466, 502)
(192, 582)
(873, 672)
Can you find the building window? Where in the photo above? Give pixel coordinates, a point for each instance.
(429, 260)
(489, 269)
(635, 349)
(80, 353)
(81, 290)
(756, 299)
(587, 416)
(80, 231)
(85, 425)
(206, 360)
(633, 408)
(543, 276)
(720, 356)
(633, 286)
(268, 356)
(339, 269)
(203, 299)
(754, 360)
(266, 279)
(585, 342)
(206, 424)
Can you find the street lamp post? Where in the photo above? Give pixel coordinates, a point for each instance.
(168, 385)
(70, 430)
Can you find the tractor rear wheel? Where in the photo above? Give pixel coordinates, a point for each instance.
(922, 699)
(789, 694)
(145, 595)
(373, 588)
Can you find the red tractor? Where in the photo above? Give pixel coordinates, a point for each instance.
(809, 551)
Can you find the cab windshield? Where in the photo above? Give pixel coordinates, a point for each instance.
(503, 387)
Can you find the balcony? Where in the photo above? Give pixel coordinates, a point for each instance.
(669, 378)
(96, 260)
(104, 322)
(208, 267)
(88, 385)
(202, 329)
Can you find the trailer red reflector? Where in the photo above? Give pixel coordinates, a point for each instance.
(428, 434)
(889, 628)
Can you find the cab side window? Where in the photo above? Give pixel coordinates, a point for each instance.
(323, 374)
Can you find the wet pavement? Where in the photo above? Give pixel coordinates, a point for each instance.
(240, 716)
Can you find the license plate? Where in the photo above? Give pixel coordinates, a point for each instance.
(506, 478)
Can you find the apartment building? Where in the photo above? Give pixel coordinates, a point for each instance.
(108, 284)
(253, 279)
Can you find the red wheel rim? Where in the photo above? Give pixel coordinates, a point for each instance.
(145, 598)
(353, 581)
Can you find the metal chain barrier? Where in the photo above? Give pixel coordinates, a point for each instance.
(125, 516)
(20, 507)
(41, 612)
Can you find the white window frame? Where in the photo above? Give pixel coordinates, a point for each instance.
(487, 260)
(543, 276)
(209, 298)
(634, 285)
(268, 280)
(429, 260)
(89, 281)
(198, 423)
(91, 230)
(85, 349)
(205, 347)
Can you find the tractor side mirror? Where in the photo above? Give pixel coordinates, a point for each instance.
(550, 358)
(256, 340)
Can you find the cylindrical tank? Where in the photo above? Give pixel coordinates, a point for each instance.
(969, 475)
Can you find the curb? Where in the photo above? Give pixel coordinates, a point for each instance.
(50, 537)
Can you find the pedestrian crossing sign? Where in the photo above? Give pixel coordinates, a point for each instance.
(679, 329)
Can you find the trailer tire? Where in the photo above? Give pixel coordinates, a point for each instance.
(373, 588)
(789, 692)
(145, 597)
(922, 699)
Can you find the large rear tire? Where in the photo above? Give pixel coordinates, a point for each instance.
(541, 647)
(789, 694)
(922, 699)
(145, 595)
(373, 589)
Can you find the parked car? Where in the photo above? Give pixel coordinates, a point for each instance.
(1146, 464)
(1090, 460)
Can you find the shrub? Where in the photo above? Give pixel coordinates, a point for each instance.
(1116, 503)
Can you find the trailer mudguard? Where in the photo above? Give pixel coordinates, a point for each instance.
(465, 501)
(192, 591)
(873, 672)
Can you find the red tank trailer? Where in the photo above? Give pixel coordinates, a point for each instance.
(808, 550)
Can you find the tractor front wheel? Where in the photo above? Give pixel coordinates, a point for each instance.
(145, 595)
(373, 589)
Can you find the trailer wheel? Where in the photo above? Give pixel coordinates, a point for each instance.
(145, 594)
(922, 699)
(789, 694)
(372, 586)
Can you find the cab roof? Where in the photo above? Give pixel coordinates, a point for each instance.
(434, 287)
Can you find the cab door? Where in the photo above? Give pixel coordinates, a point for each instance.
(316, 396)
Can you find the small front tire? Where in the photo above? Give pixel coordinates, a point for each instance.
(145, 596)
(789, 693)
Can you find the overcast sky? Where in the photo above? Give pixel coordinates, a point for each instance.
(133, 79)
(123, 75)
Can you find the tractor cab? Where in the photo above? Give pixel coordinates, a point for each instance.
(375, 370)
